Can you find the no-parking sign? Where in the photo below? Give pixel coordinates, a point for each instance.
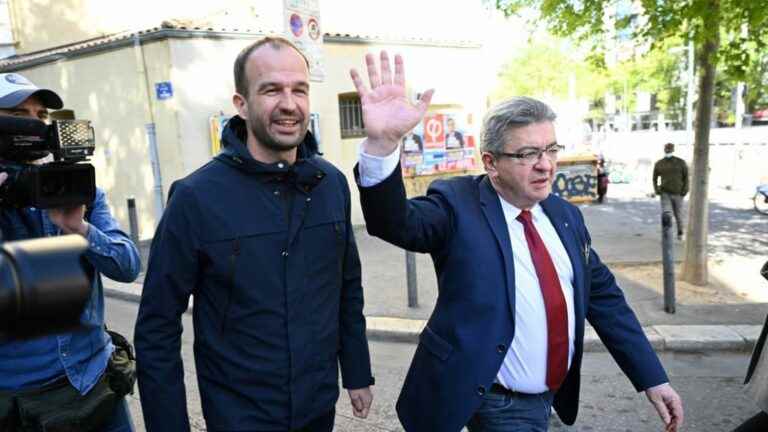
(302, 27)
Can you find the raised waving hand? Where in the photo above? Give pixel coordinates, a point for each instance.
(387, 113)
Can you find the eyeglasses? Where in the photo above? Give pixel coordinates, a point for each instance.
(530, 157)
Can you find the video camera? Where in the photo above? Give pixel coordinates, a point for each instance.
(63, 182)
(43, 286)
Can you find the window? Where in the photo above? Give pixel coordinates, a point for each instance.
(351, 116)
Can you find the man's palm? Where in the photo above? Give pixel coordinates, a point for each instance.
(387, 113)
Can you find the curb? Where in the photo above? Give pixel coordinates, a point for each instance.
(663, 338)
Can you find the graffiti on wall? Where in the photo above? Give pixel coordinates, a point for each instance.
(575, 181)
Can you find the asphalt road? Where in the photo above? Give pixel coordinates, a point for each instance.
(710, 384)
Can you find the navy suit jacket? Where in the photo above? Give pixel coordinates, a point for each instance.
(461, 224)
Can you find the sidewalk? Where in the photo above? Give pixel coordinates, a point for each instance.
(725, 315)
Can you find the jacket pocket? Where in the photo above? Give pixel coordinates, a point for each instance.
(435, 344)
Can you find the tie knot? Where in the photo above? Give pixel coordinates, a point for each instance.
(525, 217)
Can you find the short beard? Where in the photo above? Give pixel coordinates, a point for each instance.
(265, 139)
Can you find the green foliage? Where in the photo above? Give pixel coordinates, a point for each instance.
(741, 55)
(743, 22)
(547, 69)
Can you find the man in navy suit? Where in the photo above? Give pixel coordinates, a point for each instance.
(517, 275)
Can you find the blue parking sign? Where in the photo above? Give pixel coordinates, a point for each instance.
(163, 90)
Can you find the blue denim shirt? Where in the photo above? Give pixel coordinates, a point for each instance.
(81, 355)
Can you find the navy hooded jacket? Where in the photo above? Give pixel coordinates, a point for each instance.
(278, 301)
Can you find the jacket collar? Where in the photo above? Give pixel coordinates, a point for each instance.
(306, 173)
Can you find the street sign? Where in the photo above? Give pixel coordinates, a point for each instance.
(163, 90)
(302, 27)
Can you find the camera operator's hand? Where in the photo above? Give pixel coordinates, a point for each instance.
(70, 219)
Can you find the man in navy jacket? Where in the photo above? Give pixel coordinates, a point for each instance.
(261, 237)
(516, 272)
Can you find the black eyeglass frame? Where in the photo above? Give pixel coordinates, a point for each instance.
(528, 156)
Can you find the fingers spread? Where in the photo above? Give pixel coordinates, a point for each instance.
(399, 71)
(373, 73)
(359, 85)
(386, 72)
(425, 100)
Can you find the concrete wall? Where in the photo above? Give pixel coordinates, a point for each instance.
(108, 90)
(42, 24)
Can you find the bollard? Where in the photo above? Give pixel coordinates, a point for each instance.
(668, 261)
(133, 221)
(410, 273)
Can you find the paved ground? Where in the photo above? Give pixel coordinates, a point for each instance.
(705, 380)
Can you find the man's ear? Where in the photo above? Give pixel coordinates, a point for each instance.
(489, 163)
(241, 105)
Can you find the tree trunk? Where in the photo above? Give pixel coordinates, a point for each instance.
(695, 265)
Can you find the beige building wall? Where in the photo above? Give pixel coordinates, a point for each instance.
(43, 24)
(108, 89)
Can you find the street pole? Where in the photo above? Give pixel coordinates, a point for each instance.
(410, 273)
(668, 261)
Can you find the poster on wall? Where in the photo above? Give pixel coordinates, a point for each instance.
(302, 27)
(441, 143)
(216, 125)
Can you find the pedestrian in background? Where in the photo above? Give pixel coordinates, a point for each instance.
(670, 182)
(602, 180)
(262, 237)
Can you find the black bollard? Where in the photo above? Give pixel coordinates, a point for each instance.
(133, 221)
(410, 273)
(668, 261)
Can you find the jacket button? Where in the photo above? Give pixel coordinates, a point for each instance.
(481, 390)
(501, 348)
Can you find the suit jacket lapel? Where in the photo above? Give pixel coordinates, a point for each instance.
(565, 230)
(489, 202)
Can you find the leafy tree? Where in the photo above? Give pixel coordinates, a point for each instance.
(726, 32)
(547, 69)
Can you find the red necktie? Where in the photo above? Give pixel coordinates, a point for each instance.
(554, 303)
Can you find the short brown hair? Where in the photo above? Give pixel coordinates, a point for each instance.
(275, 42)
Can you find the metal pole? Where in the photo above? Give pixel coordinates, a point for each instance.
(410, 273)
(133, 221)
(668, 261)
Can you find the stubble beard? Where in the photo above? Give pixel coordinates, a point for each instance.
(268, 141)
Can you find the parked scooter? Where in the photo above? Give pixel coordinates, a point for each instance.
(761, 199)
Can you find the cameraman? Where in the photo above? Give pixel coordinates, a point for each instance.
(58, 382)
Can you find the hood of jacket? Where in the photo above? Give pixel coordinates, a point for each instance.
(305, 172)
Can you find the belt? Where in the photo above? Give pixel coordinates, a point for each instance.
(501, 390)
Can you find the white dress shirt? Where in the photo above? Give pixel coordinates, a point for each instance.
(525, 366)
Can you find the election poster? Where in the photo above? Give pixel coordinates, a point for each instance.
(441, 143)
